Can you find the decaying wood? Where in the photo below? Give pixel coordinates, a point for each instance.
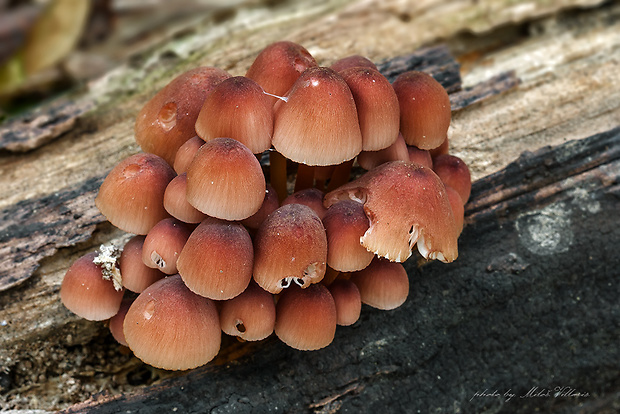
(555, 63)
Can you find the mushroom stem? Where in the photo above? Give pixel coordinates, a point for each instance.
(305, 177)
(277, 171)
(340, 176)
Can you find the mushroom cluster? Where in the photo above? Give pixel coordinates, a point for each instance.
(293, 245)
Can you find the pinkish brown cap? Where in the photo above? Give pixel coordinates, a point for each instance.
(132, 195)
(424, 109)
(251, 316)
(306, 318)
(237, 108)
(405, 203)
(395, 152)
(217, 259)
(318, 125)
(163, 244)
(458, 209)
(348, 301)
(345, 223)
(354, 61)
(382, 285)
(225, 180)
(185, 154)
(421, 157)
(116, 322)
(270, 204)
(442, 149)
(170, 327)
(290, 247)
(176, 204)
(311, 197)
(377, 106)
(168, 119)
(279, 65)
(135, 274)
(86, 293)
(454, 172)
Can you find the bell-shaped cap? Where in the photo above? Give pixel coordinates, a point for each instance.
(382, 285)
(251, 316)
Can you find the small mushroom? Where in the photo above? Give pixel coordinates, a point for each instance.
(270, 204)
(116, 322)
(395, 152)
(251, 316)
(311, 197)
(454, 172)
(164, 243)
(185, 154)
(382, 285)
(136, 276)
(419, 156)
(176, 204)
(353, 61)
(348, 301)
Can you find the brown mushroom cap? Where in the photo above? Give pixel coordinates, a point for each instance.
(116, 322)
(377, 106)
(164, 243)
(395, 152)
(185, 154)
(458, 209)
(132, 195)
(225, 180)
(405, 203)
(217, 259)
(270, 204)
(454, 172)
(383, 284)
(424, 109)
(170, 327)
(306, 318)
(290, 247)
(85, 292)
(418, 156)
(168, 119)
(250, 316)
(348, 301)
(353, 61)
(135, 274)
(237, 108)
(311, 197)
(318, 124)
(176, 204)
(345, 223)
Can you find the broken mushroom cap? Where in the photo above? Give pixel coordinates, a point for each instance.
(345, 223)
(237, 108)
(290, 247)
(185, 154)
(405, 203)
(454, 172)
(86, 293)
(164, 243)
(382, 285)
(270, 204)
(176, 203)
(395, 152)
(225, 180)
(348, 301)
(251, 316)
(217, 259)
(311, 197)
(170, 327)
(277, 67)
(377, 106)
(168, 119)
(132, 195)
(424, 109)
(318, 124)
(306, 318)
(354, 61)
(135, 274)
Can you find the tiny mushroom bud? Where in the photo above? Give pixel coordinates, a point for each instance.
(168, 119)
(185, 154)
(132, 195)
(290, 247)
(454, 172)
(382, 285)
(170, 327)
(311, 197)
(348, 301)
(217, 259)
(345, 223)
(405, 203)
(237, 108)
(225, 180)
(318, 124)
(251, 316)
(354, 61)
(135, 274)
(306, 318)
(164, 243)
(424, 109)
(395, 152)
(85, 292)
(176, 203)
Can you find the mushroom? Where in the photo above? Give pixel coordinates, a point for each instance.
(290, 247)
(354, 61)
(311, 197)
(395, 152)
(454, 172)
(116, 322)
(225, 180)
(405, 203)
(170, 327)
(168, 119)
(424, 109)
(132, 195)
(270, 204)
(164, 243)
(419, 156)
(306, 318)
(136, 276)
(458, 208)
(382, 285)
(85, 292)
(186, 153)
(348, 301)
(176, 204)
(250, 316)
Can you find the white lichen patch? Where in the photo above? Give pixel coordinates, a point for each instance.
(585, 200)
(108, 260)
(546, 231)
